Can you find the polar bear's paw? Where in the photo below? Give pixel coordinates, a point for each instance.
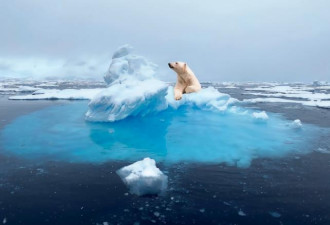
(178, 96)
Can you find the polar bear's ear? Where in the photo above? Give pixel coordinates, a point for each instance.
(185, 66)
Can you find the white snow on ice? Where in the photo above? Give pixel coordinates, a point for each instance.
(306, 95)
(320, 104)
(143, 177)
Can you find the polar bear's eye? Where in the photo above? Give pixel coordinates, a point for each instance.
(176, 63)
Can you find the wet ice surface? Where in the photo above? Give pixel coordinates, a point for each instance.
(47, 190)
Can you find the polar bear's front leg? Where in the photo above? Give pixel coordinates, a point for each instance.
(177, 93)
(192, 88)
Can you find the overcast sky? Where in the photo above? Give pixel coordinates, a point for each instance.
(221, 40)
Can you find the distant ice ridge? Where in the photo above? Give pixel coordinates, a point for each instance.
(143, 177)
(134, 90)
(20, 89)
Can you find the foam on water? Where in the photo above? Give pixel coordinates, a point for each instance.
(186, 133)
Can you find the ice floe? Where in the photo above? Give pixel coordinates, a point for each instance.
(320, 104)
(54, 94)
(22, 89)
(143, 177)
(260, 115)
(302, 94)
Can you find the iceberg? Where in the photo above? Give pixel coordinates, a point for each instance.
(143, 177)
(133, 90)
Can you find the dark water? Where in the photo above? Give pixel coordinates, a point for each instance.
(290, 190)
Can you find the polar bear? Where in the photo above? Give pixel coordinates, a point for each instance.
(186, 82)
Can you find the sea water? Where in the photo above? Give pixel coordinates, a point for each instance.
(185, 134)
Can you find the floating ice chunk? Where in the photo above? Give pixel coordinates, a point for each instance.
(53, 94)
(130, 98)
(275, 214)
(323, 150)
(143, 177)
(241, 213)
(296, 124)
(260, 115)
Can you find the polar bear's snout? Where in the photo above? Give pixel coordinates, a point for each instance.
(170, 65)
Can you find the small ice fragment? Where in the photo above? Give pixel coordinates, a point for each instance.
(157, 214)
(202, 210)
(4, 221)
(275, 214)
(323, 150)
(143, 177)
(105, 223)
(296, 124)
(241, 213)
(260, 115)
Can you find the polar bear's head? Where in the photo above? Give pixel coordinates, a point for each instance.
(179, 67)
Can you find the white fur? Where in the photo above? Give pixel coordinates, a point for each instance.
(187, 82)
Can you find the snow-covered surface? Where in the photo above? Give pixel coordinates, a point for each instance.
(260, 115)
(207, 98)
(53, 94)
(143, 177)
(320, 104)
